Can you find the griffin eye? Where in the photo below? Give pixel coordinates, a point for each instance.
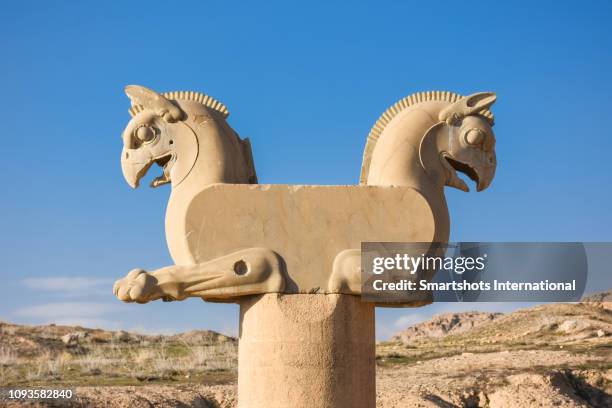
(144, 133)
(474, 136)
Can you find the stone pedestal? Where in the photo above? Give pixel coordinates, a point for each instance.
(306, 351)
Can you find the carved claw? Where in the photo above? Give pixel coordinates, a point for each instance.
(138, 286)
(245, 272)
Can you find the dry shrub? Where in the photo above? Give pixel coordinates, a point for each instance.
(164, 365)
(48, 365)
(97, 360)
(7, 357)
(144, 356)
(215, 357)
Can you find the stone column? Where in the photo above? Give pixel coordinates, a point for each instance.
(306, 351)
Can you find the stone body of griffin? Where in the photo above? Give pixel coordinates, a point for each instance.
(230, 237)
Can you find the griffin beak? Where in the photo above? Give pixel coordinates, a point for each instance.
(481, 175)
(133, 167)
(136, 163)
(485, 177)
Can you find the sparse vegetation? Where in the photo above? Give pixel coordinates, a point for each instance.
(7, 357)
(112, 358)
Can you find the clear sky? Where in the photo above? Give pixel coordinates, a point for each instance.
(305, 82)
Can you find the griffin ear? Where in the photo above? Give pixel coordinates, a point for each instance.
(467, 106)
(149, 99)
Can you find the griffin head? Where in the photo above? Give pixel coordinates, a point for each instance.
(155, 135)
(471, 141)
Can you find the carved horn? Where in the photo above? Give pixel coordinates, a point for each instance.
(149, 99)
(466, 106)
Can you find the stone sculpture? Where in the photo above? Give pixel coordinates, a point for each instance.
(289, 255)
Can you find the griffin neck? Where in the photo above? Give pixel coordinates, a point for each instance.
(221, 156)
(407, 153)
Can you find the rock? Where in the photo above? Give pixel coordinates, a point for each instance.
(600, 333)
(202, 337)
(72, 339)
(568, 326)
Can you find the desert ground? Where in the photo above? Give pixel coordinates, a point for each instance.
(551, 355)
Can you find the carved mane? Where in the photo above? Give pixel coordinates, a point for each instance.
(198, 97)
(394, 110)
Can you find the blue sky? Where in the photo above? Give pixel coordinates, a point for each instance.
(305, 82)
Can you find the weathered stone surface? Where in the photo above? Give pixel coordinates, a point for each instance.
(308, 226)
(306, 351)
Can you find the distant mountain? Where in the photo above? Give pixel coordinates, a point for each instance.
(553, 323)
(29, 341)
(443, 325)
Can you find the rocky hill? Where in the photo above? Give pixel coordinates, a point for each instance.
(33, 341)
(544, 324)
(64, 355)
(443, 325)
(548, 355)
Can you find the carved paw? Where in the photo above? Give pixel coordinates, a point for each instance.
(138, 286)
